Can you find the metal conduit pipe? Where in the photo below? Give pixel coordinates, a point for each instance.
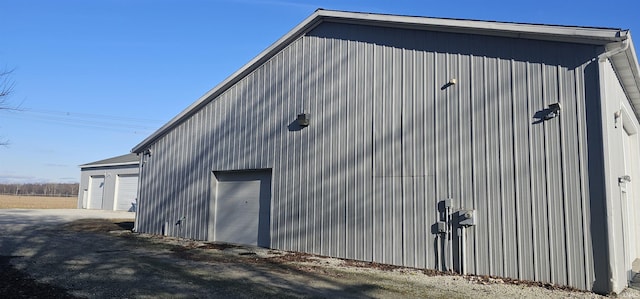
(466, 218)
(464, 247)
(445, 243)
(449, 249)
(461, 250)
(438, 253)
(446, 239)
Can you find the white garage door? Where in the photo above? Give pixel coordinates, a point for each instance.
(96, 191)
(242, 207)
(126, 192)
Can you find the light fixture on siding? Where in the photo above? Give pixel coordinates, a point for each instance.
(452, 82)
(145, 156)
(624, 179)
(553, 110)
(303, 119)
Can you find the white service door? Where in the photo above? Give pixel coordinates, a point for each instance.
(242, 204)
(126, 192)
(628, 193)
(96, 192)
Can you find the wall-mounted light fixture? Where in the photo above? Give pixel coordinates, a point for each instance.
(452, 82)
(553, 110)
(616, 117)
(303, 119)
(624, 179)
(145, 156)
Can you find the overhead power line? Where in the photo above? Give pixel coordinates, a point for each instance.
(88, 120)
(91, 115)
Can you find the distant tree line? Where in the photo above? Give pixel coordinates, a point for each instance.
(49, 189)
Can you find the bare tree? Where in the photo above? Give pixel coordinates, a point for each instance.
(6, 85)
(6, 88)
(35, 189)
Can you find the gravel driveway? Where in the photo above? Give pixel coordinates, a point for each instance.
(119, 264)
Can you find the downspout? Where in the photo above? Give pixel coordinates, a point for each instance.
(139, 191)
(606, 55)
(603, 58)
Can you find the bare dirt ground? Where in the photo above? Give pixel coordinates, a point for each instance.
(100, 258)
(37, 202)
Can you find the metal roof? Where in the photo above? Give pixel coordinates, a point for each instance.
(128, 159)
(625, 62)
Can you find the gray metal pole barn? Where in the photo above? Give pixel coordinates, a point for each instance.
(482, 147)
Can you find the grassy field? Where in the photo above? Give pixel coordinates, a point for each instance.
(37, 202)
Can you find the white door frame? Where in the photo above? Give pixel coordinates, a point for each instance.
(629, 189)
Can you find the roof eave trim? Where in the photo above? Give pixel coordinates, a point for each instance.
(631, 83)
(555, 33)
(108, 164)
(576, 34)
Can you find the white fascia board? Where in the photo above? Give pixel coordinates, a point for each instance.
(627, 70)
(632, 84)
(108, 164)
(589, 35)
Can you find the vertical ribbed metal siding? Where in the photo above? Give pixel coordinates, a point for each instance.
(388, 141)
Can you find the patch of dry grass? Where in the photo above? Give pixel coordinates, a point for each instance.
(37, 202)
(99, 225)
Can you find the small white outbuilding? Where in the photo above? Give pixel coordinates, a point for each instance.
(109, 184)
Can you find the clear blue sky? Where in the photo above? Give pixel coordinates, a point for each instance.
(94, 78)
